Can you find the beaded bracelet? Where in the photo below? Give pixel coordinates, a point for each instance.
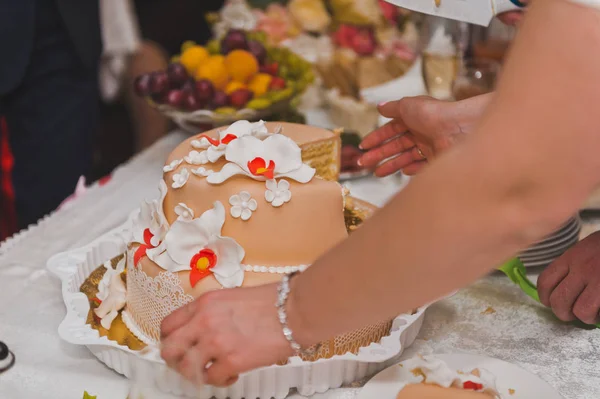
(283, 292)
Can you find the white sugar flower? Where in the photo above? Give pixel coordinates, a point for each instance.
(196, 158)
(198, 247)
(242, 205)
(202, 171)
(275, 157)
(278, 193)
(112, 293)
(172, 166)
(150, 224)
(179, 179)
(184, 212)
(201, 143)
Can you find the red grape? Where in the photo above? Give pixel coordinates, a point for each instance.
(205, 90)
(240, 97)
(191, 102)
(141, 85)
(258, 50)
(189, 86)
(175, 98)
(177, 74)
(234, 40)
(220, 99)
(159, 83)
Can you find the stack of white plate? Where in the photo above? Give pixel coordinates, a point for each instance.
(552, 247)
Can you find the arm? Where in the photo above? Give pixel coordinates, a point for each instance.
(421, 122)
(478, 204)
(482, 201)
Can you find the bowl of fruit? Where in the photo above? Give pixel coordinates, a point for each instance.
(236, 77)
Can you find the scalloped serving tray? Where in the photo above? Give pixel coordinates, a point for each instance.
(73, 267)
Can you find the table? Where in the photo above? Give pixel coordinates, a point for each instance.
(31, 305)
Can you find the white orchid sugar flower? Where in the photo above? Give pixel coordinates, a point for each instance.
(198, 247)
(275, 157)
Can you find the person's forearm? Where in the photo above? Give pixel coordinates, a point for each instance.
(529, 166)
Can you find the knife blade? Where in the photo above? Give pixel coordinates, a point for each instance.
(479, 12)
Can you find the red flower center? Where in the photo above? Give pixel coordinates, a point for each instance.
(148, 236)
(259, 167)
(139, 254)
(228, 138)
(472, 386)
(201, 264)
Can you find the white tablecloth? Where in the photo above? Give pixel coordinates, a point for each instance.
(31, 306)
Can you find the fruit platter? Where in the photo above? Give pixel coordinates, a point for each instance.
(354, 45)
(237, 76)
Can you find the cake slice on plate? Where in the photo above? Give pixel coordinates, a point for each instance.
(431, 378)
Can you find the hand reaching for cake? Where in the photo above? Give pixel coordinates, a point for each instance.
(236, 329)
(571, 284)
(421, 128)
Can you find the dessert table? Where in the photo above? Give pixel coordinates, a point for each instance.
(491, 317)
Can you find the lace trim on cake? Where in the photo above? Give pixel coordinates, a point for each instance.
(150, 300)
(275, 269)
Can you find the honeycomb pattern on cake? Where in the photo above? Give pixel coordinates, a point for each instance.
(350, 342)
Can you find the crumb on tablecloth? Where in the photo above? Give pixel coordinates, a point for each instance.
(489, 310)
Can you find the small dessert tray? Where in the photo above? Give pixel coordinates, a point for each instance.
(74, 267)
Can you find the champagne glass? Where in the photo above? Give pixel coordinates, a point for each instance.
(442, 42)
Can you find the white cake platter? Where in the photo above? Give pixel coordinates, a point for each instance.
(73, 267)
(511, 380)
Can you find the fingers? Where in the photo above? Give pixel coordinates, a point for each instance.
(221, 373)
(385, 151)
(175, 346)
(551, 278)
(587, 306)
(396, 109)
(395, 164)
(177, 319)
(564, 296)
(193, 365)
(379, 136)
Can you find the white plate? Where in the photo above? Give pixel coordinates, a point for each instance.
(549, 243)
(526, 385)
(549, 253)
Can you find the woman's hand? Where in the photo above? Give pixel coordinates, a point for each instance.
(571, 284)
(234, 330)
(421, 128)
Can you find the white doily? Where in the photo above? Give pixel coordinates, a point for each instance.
(150, 300)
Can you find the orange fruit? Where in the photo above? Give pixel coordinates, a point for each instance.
(233, 86)
(193, 56)
(259, 84)
(213, 69)
(241, 65)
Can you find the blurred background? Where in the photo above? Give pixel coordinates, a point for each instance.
(173, 64)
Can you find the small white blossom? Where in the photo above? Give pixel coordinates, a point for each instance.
(179, 179)
(184, 212)
(196, 158)
(202, 171)
(242, 205)
(172, 166)
(278, 193)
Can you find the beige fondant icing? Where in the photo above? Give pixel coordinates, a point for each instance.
(294, 234)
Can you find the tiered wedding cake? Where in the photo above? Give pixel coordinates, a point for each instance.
(238, 207)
